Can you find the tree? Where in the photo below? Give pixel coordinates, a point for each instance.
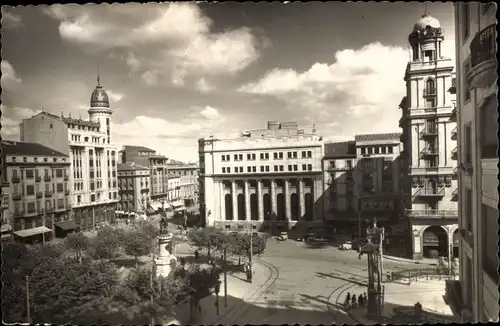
(240, 245)
(136, 244)
(78, 243)
(209, 238)
(107, 243)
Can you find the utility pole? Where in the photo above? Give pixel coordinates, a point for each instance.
(28, 312)
(93, 218)
(359, 225)
(251, 253)
(381, 250)
(152, 297)
(225, 278)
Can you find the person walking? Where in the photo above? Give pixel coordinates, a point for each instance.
(353, 301)
(360, 300)
(347, 300)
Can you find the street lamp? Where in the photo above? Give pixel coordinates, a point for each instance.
(217, 289)
(225, 278)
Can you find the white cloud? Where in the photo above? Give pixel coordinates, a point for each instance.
(114, 97)
(150, 78)
(9, 76)
(10, 20)
(210, 113)
(204, 86)
(172, 38)
(11, 118)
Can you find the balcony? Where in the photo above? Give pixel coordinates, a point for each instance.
(334, 168)
(454, 134)
(429, 192)
(66, 192)
(66, 177)
(429, 152)
(49, 209)
(433, 213)
(454, 195)
(18, 213)
(429, 170)
(453, 117)
(39, 194)
(429, 132)
(431, 92)
(402, 121)
(483, 72)
(454, 153)
(38, 178)
(47, 178)
(17, 197)
(15, 180)
(48, 193)
(453, 296)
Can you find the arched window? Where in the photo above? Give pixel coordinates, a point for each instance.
(430, 86)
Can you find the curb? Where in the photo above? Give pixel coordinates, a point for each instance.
(403, 260)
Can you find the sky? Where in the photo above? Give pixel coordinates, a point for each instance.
(177, 72)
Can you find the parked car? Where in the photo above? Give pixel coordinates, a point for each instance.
(346, 246)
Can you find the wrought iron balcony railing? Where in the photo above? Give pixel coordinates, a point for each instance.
(15, 179)
(433, 213)
(429, 192)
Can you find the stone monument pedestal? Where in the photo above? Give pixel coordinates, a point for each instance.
(165, 262)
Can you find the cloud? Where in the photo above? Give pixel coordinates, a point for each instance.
(10, 20)
(114, 97)
(359, 87)
(174, 39)
(11, 118)
(9, 76)
(204, 86)
(150, 78)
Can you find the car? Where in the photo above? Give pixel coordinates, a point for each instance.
(346, 246)
(283, 236)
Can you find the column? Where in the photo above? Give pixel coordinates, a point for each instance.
(287, 200)
(314, 186)
(222, 201)
(235, 200)
(302, 197)
(247, 202)
(260, 200)
(274, 206)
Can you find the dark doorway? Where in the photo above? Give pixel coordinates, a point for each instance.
(228, 204)
(295, 207)
(435, 242)
(254, 207)
(280, 198)
(309, 202)
(241, 207)
(267, 207)
(455, 244)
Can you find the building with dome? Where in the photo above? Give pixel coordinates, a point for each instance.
(93, 157)
(429, 137)
(474, 296)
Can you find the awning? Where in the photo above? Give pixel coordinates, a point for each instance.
(155, 206)
(31, 232)
(67, 225)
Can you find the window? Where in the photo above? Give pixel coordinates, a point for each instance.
(309, 167)
(262, 168)
(31, 207)
(228, 157)
(390, 149)
(266, 155)
(235, 157)
(309, 154)
(304, 167)
(289, 154)
(275, 167)
(223, 157)
(468, 143)
(267, 168)
(383, 149)
(363, 151)
(377, 149)
(30, 190)
(249, 157)
(223, 170)
(488, 127)
(60, 187)
(289, 167)
(60, 203)
(370, 150)
(241, 169)
(254, 169)
(489, 238)
(261, 156)
(294, 154)
(249, 169)
(280, 155)
(430, 87)
(240, 157)
(29, 174)
(275, 156)
(465, 21)
(281, 168)
(228, 169)
(304, 154)
(295, 167)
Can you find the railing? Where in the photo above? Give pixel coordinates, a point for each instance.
(16, 196)
(47, 178)
(48, 193)
(433, 213)
(15, 179)
(429, 151)
(430, 92)
(38, 178)
(39, 194)
(483, 46)
(429, 192)
(66, 178)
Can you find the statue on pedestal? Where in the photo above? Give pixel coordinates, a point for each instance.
(165, 262)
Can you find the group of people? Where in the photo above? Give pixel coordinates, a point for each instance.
(353, 302)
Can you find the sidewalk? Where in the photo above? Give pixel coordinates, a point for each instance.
(400, 298)
(425, 261)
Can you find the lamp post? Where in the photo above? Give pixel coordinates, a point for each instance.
(217, 289)
(225, 278)
(28, 310)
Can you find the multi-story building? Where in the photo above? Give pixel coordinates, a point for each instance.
(338, 187)
(430, 149)
(157, 165)
(188, 173)
(265, 177)
(377, 176)
(133, 188)
(38, 196)
(92, 155)
(174, 192)
(4, 207)
(475, 296)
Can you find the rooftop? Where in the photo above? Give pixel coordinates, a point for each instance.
(10, 147)
(130, 166)
(137, 148)
(340, 149)
(375, 137)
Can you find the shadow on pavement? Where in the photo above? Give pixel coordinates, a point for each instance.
(346, 279)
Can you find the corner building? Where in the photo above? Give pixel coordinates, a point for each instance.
(267, 177)
(93, 157)
(475, 295)
(430, 149)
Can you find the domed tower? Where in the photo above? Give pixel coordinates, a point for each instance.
(100, 111)
(426, 38)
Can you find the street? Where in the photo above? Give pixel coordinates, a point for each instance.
(307, 283)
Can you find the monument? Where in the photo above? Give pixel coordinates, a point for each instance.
(165, 262)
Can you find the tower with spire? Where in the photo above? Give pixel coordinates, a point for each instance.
(100, 110)
(429, 138)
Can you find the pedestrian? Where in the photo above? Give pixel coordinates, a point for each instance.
(360, 300)
(353, 301)
(196, 254)
(347, 300)
(364, 298)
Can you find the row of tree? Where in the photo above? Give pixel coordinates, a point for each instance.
(237, 243)
(77, 282)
